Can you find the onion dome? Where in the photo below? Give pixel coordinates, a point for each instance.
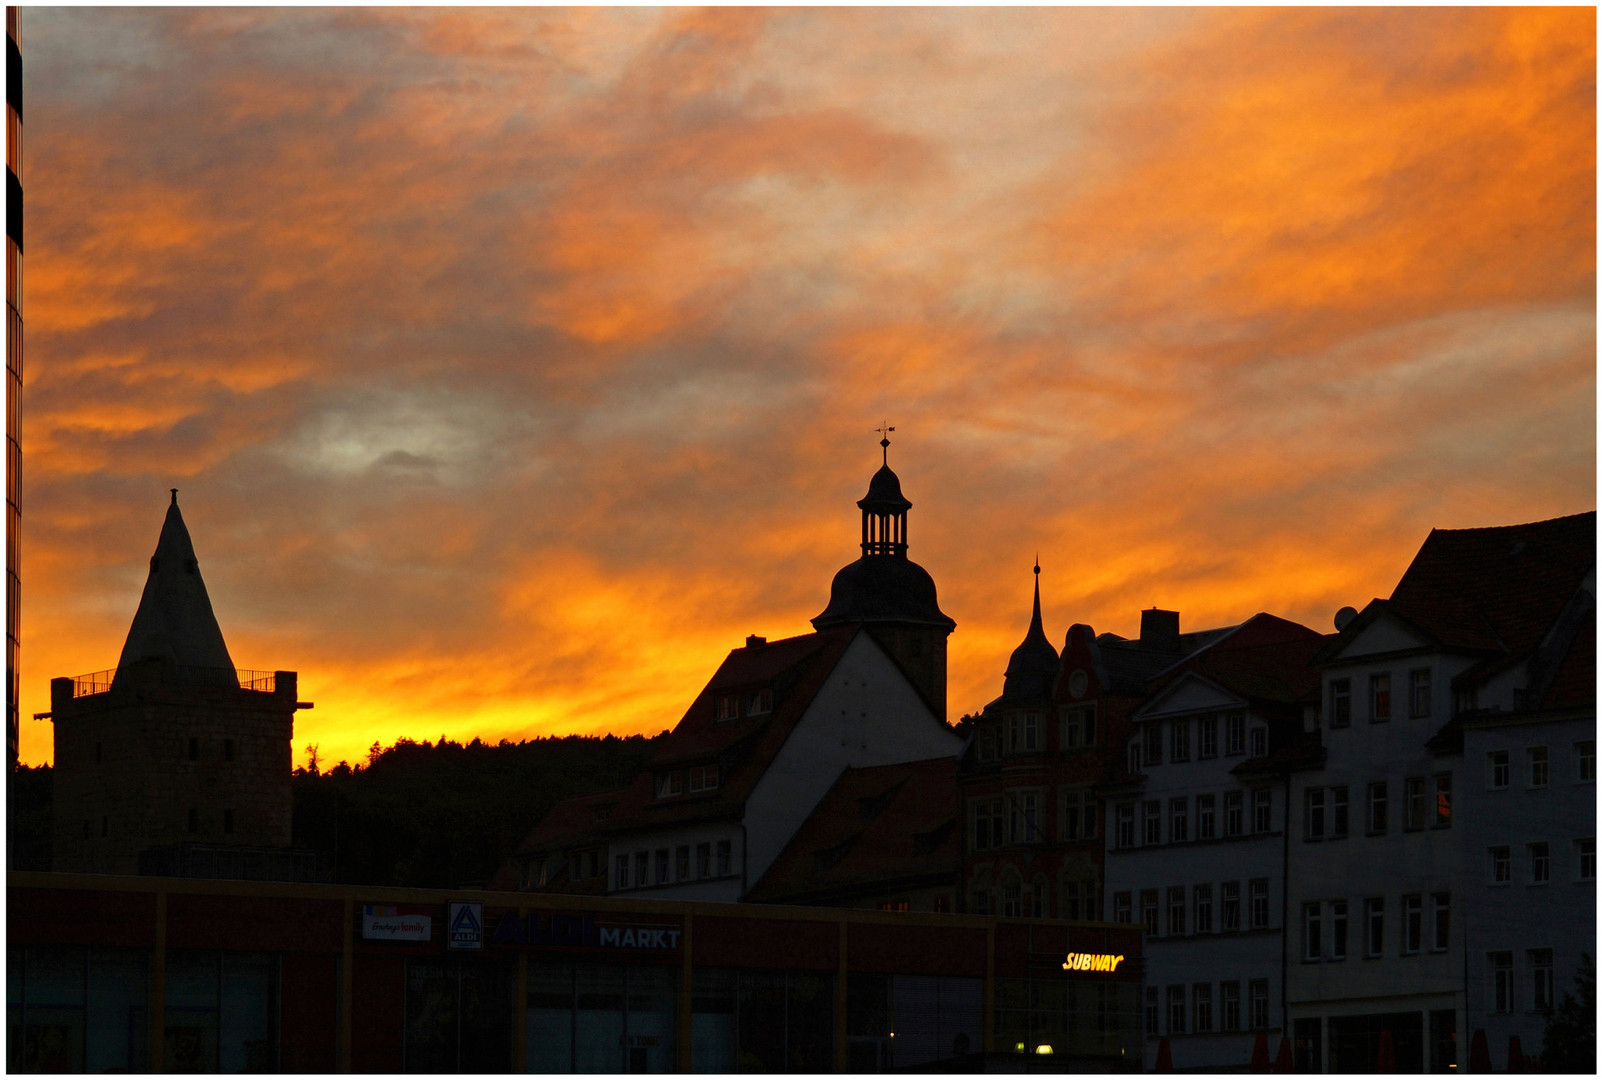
(1032, 670)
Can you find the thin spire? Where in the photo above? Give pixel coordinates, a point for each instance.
(884, 429)
(174, 496)
(1035, 626)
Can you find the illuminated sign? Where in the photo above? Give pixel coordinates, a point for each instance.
(1084, 961)
(384, 923)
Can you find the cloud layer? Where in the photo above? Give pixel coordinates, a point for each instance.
(514, 365)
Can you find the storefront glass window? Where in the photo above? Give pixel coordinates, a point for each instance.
(77, 1010)
(458, 1016)
(601, 1018)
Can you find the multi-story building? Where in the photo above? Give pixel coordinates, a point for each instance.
(174, 750)
(1196, 838)
(768, 737)
(1402, 883)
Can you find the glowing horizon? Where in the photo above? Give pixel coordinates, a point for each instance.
(514, 365)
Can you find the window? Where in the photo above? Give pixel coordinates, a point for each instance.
(1179, 743)
(1443, 800)
(661, 866)
(761, 702)
(728, 707)
(1207, 740)
(1537, 756)
(1206, 817)
(642, 868)
(228, 749)
(671, 784)
(1412, 923)
(1012, 900)
(1070, 815)
(1070, 900)
(1540, 863)
(1497, 768)
(1413, 802)
(1204, 909)
(1585, 859)
(1540, 978)
(1078, 726)
(1313, 814)
(1337, 929)
(1176, 910)
(1376, 808)
(1418, 692)
(704, 778)
(1231, 903)
(1151, 749)
(1338, 812)
(1259, 913)
(1443, 921)
(1092, 813)
(1262, 810)
(1025, 817)
(1312, 931)
(1134, 756)
(1201, 995)
(1178, 820)
(1379, 698)
(1151, 1010)
(194, 822)
(703, 860)
(622, 872)
(1152, 820)
(1259, 742)
(1259, 992)
(99, 757)
(1176, 1009)
(1501, 965)
(228, 823)
(1037, 909)
(1234, 815)
(1340, 703)
(681, 863)
(724, 853)
(1585, 760)
(194, 748)
(1148, 910)
(1025, 733)
(1373, 926)
(895, 905)
(987, 824)
(1235, 733)
(1126, 825)
(1501, 858)
(1229, 995)
(1121, 908)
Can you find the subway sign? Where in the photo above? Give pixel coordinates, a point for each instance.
(583, 932)
(1084, 961)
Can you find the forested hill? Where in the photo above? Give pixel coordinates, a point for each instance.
(429, 815)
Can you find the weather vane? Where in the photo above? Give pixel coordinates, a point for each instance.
(884, 430)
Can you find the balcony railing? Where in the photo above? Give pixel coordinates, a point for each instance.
(100, 681)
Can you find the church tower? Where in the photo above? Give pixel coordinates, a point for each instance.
(173, 749)
(889, 594)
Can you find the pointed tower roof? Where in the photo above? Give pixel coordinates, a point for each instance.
(174, 622)
(1032, 670)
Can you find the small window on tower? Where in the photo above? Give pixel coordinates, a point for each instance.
(194, 748)
(194, 820)
(228, 749)
(98, 757)
(228, 821)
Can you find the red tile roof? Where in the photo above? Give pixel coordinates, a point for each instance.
(876, 829)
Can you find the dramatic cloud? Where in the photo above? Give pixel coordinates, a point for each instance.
(514, 365)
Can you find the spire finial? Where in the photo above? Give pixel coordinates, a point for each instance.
(174, 496)
(884, 429)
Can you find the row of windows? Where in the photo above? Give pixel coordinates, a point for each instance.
(1197, 1016)
(1501, 996)
(1170, 913)
(1147, 750)
(1537, 766)
(676, 869)
(1023, 732)
(1426, 803)
(1207, 818)
(192, 820)
(1016, 817)
(1325, 930)
(1538, 862)
(1379, 698)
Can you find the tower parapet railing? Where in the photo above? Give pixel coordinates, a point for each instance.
(99, 682)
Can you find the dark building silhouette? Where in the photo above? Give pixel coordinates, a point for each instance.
(13, 377)
(889, 594)
(174, 761)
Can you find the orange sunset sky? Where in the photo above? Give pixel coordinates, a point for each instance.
(513, 365)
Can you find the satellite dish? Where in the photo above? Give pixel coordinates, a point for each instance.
(1344, 616)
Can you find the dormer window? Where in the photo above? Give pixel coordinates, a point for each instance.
(602, 813)
(704, 778)
(761, 702)
(670, 785)
(1259, 742)
(728, 707)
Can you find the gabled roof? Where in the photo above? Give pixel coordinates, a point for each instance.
(570, 820)
(1265, 659)
(877, 829)
(795, 669)
(1497, 589)
(175, 622)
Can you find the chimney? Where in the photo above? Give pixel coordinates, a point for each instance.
(1159, 630)
(752, 641)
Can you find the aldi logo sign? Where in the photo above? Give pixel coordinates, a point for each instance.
(464, 926)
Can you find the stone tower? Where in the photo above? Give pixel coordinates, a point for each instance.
(174, 746)
(889, 594)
